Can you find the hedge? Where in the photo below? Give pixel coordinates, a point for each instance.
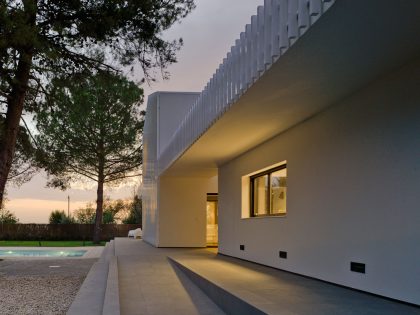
(62, 232)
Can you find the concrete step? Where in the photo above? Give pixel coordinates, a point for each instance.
(90, 298)
(243, 287)
(99, 293)
(104, 252)
(112, 295)
(228, 302)
(108, 252)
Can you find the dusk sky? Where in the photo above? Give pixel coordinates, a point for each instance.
(208, 33)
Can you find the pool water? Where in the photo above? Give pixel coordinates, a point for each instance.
(41, 253)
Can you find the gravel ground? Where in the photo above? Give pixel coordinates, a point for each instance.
(39, 287)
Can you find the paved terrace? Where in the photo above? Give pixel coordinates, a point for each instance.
(142, 279)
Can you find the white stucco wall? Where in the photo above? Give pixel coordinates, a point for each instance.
(149, 189)
(164, 113)
(353, 193)
(172, 109)
(182, 210)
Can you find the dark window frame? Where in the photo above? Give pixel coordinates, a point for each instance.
(268, 197)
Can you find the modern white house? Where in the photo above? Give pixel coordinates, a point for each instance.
(303, 150)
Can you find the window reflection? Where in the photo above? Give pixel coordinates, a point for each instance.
(278, 192)
(269, 190)
(260, 195)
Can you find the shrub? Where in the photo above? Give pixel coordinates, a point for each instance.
(60, 217)
(135, 212)
(7, 217)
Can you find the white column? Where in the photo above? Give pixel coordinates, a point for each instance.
(275, 29)
(236, 74)
(267, 32)
(283, 20)
(303, 16)
(211, 98)
(260, 15)
(229, 77)
(224, 84)
(315, 7)
(217, 92)
(292, 21)
(248, 77)
(254, 29)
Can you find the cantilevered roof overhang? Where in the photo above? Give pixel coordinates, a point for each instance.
(349, 46)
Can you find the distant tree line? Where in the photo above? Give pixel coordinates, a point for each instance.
(115, 211)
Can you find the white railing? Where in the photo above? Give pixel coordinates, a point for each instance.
(277, 26)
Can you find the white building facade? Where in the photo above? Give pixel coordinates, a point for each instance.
(309, 135)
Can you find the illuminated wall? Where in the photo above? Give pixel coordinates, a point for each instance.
(353, 193)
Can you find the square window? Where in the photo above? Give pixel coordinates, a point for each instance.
(268, 192)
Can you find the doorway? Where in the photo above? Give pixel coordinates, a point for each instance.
(212, 220)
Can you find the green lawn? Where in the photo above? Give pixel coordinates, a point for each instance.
(49, 243)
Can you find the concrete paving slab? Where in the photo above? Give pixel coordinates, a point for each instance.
(150, 285)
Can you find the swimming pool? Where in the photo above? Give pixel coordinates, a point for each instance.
(41, 253)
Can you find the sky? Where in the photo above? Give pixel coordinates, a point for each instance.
(208, 33)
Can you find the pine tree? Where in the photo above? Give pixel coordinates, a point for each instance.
(90, 127)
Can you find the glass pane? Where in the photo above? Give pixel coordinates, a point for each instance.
(212, 223)
(211, 212)
(260, 195)
(278, 191)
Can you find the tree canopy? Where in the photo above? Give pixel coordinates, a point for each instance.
(114, 211)
(91, 126)
(62, 35)
(40, 39)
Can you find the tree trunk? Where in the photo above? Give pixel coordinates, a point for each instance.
(99, 207)
(16, 100)
(11, 124)
(99, 213)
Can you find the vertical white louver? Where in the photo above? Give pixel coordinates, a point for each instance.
(277, 26)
